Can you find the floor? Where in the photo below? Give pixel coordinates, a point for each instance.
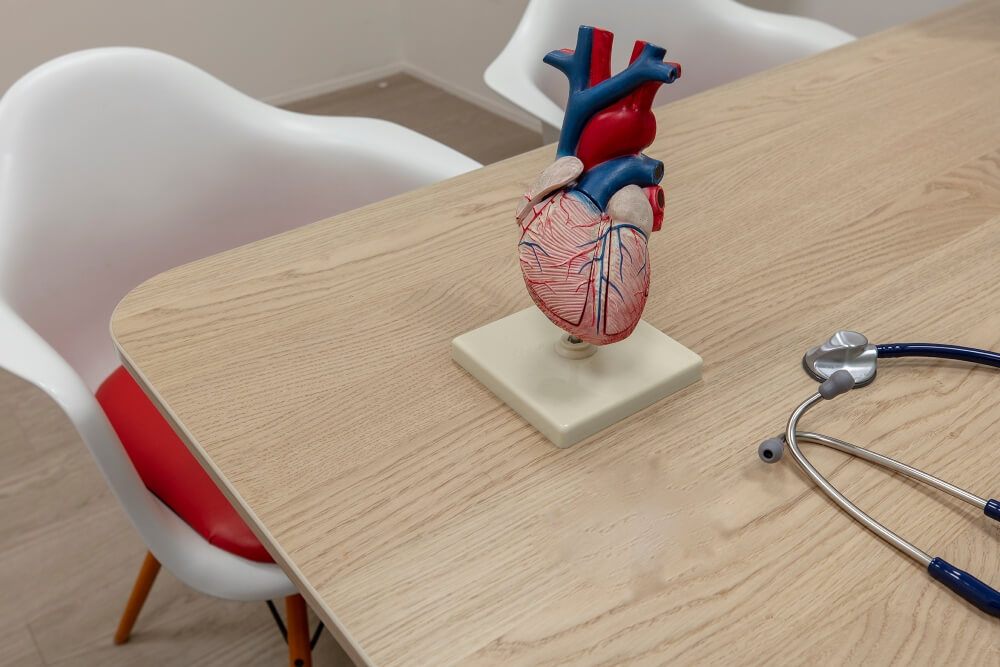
(405, 100)
(68, 558)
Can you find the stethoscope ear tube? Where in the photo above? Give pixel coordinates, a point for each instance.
(966, 585)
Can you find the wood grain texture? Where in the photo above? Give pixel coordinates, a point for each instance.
(427, 524)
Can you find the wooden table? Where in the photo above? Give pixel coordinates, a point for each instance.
(427, 524)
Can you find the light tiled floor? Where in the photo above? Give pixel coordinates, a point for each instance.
(68, 556)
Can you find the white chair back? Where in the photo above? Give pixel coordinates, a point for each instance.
(119, 163)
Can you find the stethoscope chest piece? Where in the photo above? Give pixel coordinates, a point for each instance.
(846, 350)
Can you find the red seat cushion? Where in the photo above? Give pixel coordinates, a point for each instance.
(170, 471)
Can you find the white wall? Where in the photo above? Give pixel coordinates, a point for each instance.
(450, 43)
(859, 17)
(280, 51)
(270, 49)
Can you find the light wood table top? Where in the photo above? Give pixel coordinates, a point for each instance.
(428, 524)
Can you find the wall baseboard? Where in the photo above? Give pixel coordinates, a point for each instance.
(500, 108)
(334, 84)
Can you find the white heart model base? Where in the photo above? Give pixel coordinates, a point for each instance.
(569, 399)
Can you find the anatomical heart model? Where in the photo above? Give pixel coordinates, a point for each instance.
(586, 219)
(583, 226)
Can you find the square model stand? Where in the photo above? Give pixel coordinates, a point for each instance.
(571, 399)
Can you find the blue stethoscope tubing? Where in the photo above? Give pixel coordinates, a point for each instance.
(961, 582)
(936, 350)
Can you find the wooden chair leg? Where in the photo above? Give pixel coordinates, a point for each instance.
(297, 620)
(147, 574)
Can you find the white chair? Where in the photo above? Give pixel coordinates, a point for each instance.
(119, 163)
(715, 41)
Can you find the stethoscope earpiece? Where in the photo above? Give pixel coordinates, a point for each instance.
(772, 449)
(839, 383)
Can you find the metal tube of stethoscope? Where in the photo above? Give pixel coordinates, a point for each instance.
(892, 464)
(852, 352)
(959, 581)
(839, 498)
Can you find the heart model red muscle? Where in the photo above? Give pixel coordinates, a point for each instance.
(584, 222)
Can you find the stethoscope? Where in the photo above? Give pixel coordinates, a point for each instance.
(847, 361)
